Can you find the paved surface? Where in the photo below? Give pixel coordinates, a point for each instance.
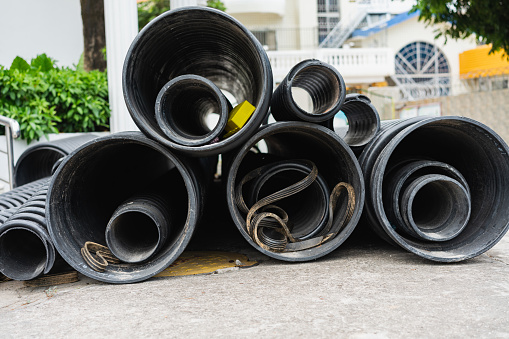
(365, 289)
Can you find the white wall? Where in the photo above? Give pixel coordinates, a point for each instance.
(32, 27)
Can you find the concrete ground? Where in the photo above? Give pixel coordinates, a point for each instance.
(365, 289)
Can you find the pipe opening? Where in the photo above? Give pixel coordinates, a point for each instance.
(36, 164)
(88, 188)
(184, 108)
(322, 86)
(22, 254)
(292, 142)
(440, 209)
(363, 122)
(307, 209)
(134, 236)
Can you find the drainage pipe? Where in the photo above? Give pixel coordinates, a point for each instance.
(204, 42)
(95, 179)
(476, 151)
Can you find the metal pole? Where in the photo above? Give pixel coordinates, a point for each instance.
(12, 131)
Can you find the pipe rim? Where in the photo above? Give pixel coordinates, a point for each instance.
(445, 232)
(177, 135)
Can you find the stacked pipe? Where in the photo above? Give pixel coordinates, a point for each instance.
(26, 250)
(437, 186)
(123, 207)
(37, 161)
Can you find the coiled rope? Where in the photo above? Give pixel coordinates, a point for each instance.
(269, 225)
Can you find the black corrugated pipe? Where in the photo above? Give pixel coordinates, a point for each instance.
(363, 122)
(26, 249)
(205, 42)
(96, 178)
(36, 162)
(323, 83)
(140, 226)
(183, 106)
(443, 205)
(297, 151)
(467, 147)
(14, 198)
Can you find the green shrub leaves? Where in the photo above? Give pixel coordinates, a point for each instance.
(47, 99)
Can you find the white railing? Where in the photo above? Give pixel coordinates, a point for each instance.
(184, 3)
(387, 6)
(356, 65)
(344, 28)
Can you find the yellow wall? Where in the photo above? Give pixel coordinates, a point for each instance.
(476, 62)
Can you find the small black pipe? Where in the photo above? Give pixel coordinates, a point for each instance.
(435, 207)
(363, 122)
(141, 225)
(401, 175)
(26, 249)
(321, 81)
(37, 161)
(183, 106)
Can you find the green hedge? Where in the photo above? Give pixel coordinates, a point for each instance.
(46, 99)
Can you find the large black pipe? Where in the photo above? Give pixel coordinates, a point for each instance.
(183, 106)
(205, 42)
(26, 249)
(96, 178)
(470, 147)
(37, 161)
(324, 85)
(298, 140)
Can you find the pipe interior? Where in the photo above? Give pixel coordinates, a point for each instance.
(200, 42)
(36, 165)
(334, 161)
(186, 107)
(96, 180)
(22, 254)
(362, 120)
(440, 209)
(322, 85)
(480, 158)
(306, 210)
(134, 236)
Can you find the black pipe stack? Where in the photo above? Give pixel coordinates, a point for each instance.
(123, 207)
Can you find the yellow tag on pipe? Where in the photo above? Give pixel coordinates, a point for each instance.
(238, 117)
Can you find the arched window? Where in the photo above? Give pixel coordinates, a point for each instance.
(422, 71)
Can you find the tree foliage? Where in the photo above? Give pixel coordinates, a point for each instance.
(486, 19)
